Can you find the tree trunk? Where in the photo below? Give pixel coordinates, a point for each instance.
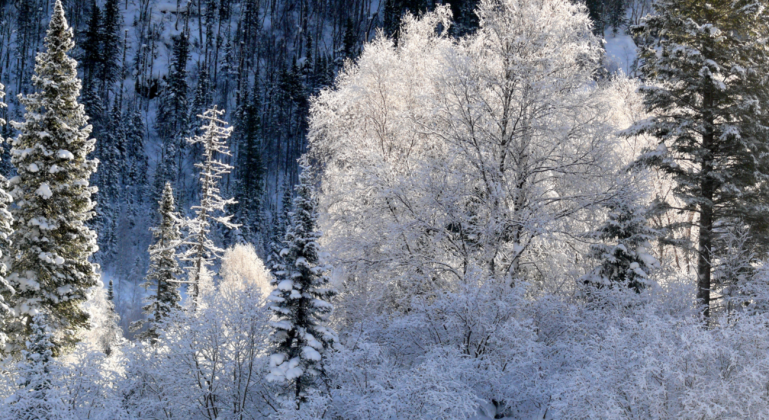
(707, 185)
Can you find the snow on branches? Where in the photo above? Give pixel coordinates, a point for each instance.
(201, 249)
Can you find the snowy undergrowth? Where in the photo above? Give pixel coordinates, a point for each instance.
(477, 352)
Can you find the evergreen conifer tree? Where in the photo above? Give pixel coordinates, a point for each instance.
(138, 165)
(164, 270)
(350, 39)
(110, 45)
(300, 302)
(279, 228)
(706, 67)
(92, 48)
(251, 173)
(173, 113)
(6, 221)
(36, 398)
(113, 165)
(52, 244)
(625, 254)
(91, 63)
(201, 250)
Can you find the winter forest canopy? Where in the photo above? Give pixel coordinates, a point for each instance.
(398, 209)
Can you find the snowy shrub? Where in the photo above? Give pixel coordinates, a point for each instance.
(242, 268)
(207, 364)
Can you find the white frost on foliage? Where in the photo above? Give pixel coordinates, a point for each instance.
(44, 190)
(65, 154)
(286, 371)
(310, 353)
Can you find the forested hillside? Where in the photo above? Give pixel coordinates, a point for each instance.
(492, 209)
(148, 67)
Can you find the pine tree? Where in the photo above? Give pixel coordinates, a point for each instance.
(300, 302)
(36, 398)
(705, 63)
(625, 254)
(202, 251)
(164, 270)
(52, 244)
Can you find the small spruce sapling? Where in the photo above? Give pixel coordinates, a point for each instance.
(624, 256)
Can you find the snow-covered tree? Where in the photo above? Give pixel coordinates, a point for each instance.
(704, 63)
(209, 363)
(51, 271)
(299, 302)
(486, 154)
(625, 256)
(36, 397)
(249, 190)
(278, 234)
(242, 267)
(6, 220)
(201, 250)
(164, 270)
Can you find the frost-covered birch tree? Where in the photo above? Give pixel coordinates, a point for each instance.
(484, 156)
(51, 271)
(202, 251)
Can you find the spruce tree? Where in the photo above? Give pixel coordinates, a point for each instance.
(173, 113)
(111, 154)
(37, 398)
(625, 252)
(164, 271)
(251, 173)
(110, 45)
(350, 40)
(300, 302)
(6, 221)
(91, 64)
(202, 251)
(52, 244)
(705, 64)
(138, 165)
(279, 228)
(92, 48)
